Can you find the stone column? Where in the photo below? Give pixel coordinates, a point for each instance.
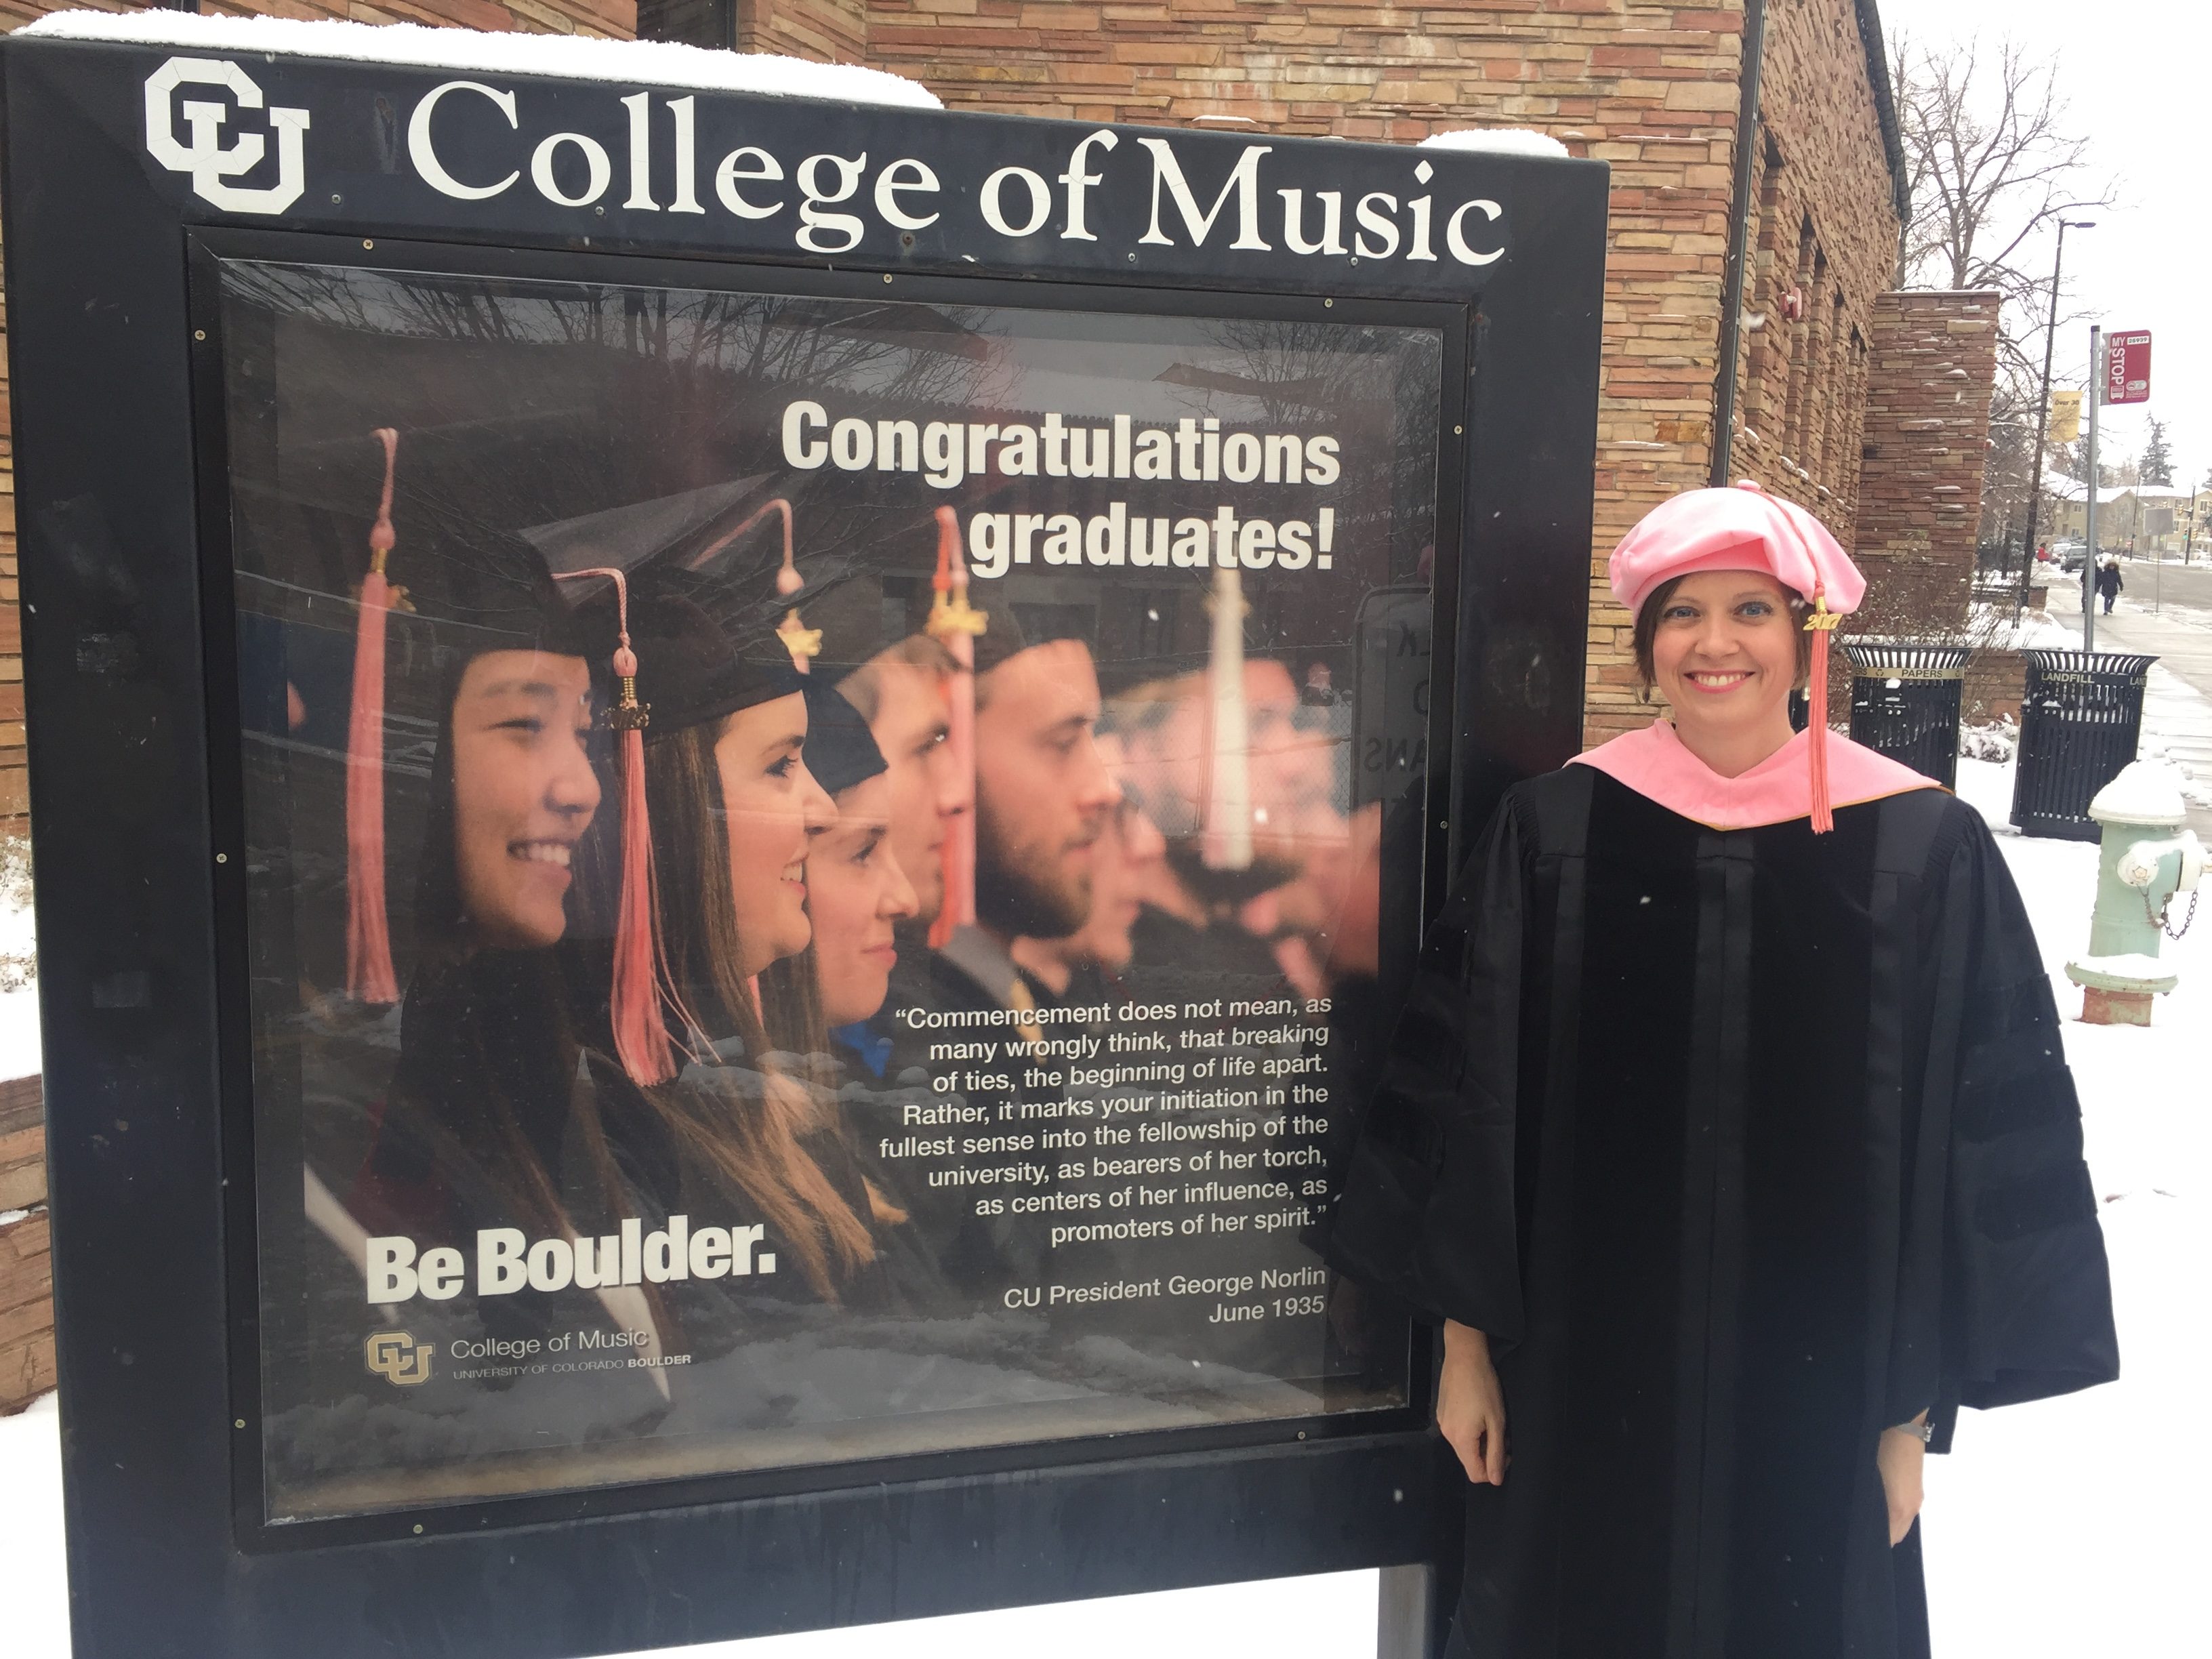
(1930, 374)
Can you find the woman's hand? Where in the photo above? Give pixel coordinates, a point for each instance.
(1471, 1407)
(1899, 1457)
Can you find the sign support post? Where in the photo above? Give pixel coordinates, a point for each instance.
(2089, 504)
(2121, 363)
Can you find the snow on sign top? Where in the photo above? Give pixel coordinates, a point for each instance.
(1496, 141)
(632, 63)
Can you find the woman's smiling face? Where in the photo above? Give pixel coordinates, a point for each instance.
(855, 891)
(1724, 653)
(524, 791)
(772, 806)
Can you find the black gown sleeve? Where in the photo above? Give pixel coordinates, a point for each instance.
(2027, 1295)
(1424, 1213)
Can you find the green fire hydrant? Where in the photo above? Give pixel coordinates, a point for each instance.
(2146, 859)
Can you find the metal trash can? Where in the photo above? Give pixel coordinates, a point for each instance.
(2080, 719)
(1905, 702)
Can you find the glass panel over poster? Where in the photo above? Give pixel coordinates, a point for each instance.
(816, 868)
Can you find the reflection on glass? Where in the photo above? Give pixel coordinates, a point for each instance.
(878, 817)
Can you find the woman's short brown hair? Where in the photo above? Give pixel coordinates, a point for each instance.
(1647, 625)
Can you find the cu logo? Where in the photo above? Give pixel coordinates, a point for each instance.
(398, 1357)
(204, 155)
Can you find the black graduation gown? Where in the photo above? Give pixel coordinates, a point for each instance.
(1743, 1145)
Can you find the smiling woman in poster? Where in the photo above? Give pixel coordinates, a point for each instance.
(697, 1097)
(1728, 1132)
(466, 1142)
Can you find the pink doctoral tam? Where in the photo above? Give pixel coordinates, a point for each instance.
(1739, 529)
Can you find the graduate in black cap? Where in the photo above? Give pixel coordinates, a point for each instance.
(470, 1137)
(704, 1072)
(1042, 797)
(857, 894)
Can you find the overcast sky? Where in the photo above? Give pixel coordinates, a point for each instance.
(2138, 75)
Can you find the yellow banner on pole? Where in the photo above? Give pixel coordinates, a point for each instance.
(2065, 426)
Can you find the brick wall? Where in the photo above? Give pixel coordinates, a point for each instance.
(608, 19)
(26, 1281)
(828, 30)
(1825, 226)
(1994, 686)
(1925, 445)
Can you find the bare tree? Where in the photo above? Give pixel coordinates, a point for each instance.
(1993, 167)
(2015, 422)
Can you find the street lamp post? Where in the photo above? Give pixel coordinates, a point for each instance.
(2042, 410)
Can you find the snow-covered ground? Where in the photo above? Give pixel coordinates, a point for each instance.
(2076, 1526)
(2071, 1526)
(18, 966)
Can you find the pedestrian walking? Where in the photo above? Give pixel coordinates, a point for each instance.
(2108, 580)
(1728, 1133)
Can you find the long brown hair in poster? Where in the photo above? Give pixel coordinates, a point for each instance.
(758, 1152)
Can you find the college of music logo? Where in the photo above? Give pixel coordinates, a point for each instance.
(397, 1357)
(211, 162)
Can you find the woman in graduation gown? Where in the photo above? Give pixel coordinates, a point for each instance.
(1728, 1131)
(468, 1135)
(709, 1114)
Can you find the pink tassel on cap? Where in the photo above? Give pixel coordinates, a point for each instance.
(953, 624)
(369, 977)
(788, 581)
(1822, 623)
(641, 988)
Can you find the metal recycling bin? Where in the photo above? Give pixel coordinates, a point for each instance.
(2080, 719)
(1905, 702)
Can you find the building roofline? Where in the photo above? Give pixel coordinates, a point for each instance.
(1884, 103)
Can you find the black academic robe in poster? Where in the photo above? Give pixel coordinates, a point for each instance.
(1743, 1146)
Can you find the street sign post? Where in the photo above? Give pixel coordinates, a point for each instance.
(2121, 361)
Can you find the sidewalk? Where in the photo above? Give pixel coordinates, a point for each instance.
(2178, 701)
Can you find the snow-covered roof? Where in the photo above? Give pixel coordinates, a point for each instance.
(631, 63)
(2072, 490)
(1496, 141)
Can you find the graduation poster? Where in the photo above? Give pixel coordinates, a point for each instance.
(817, 865)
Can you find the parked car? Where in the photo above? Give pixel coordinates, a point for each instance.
(2071, 556)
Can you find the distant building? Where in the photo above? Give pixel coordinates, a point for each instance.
(2130, 518)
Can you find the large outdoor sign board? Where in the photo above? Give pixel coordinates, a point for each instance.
(729, 790)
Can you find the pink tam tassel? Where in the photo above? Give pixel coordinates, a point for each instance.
(955, 626)
(640, 989)
(1820, 624)
(369, 976)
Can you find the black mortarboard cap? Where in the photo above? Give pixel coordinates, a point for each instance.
(710, 585)
(840, 750)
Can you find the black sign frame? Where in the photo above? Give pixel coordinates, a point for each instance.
(133, 745)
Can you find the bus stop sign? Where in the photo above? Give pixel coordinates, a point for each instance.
(2127, 367)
